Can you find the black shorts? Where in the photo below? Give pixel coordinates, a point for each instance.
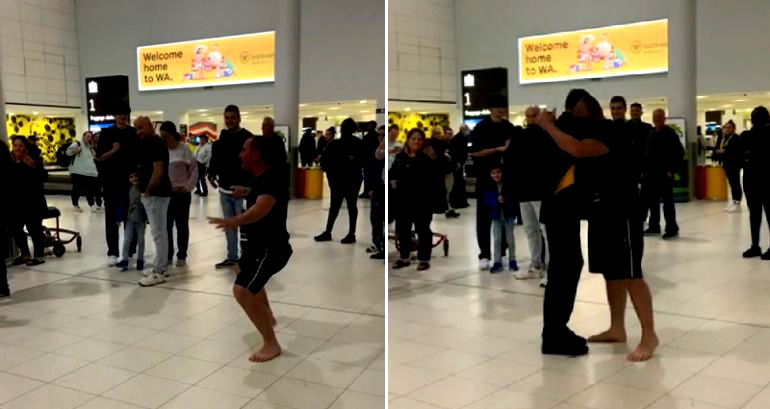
(259, 263)
(615, 246)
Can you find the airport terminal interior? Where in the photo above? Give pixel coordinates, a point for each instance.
(417, 125)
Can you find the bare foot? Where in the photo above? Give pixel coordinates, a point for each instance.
(266, 353)
(609, 336)
(644, 350)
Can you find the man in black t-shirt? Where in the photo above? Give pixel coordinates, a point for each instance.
(490, 138)
(115, 160)
(225, 172)
(264, 226)
(155, 186)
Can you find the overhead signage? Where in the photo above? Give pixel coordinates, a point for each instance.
(477, 87)
(102, 94)
(628, 49)
(241, 59)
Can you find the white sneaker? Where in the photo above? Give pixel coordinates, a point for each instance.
(540, 271)
(180, 262)
(526, 275)
(544, 282)
(94, 209)
(111, 261)
(152, 280)
(485, 264)
(734, 207)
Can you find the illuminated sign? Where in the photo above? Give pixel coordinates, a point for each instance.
(241, 59)
(628, 49)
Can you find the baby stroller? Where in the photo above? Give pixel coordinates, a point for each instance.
(57, 237)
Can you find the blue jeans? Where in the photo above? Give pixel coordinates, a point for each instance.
(157, 213)
(134, 231)
(500, 227)
(231, 207)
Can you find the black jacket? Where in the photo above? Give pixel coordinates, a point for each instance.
(733, 155)
(458, 149)
(638, 131)
(756, 144)
(225, 158)
(26, 189)
(664, 152)
(307, 148)
(343, 160)
(416, 187)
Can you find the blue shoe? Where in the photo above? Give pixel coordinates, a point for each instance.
(513, 266)
(496, 268)
(139, 265)
(122, 265)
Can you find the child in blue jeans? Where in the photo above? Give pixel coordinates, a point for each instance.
(503, 219)
(136, 222)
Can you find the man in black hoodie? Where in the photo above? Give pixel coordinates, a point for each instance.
(755, 175)
(371, 142)
(343, 163)
(663, 158)
(225, 171)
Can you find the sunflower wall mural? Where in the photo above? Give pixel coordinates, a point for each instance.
(51, 132)
(408, 120)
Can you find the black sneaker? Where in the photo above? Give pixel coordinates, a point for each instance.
(325, 236)
(372, 249)
(349, 239)
(380, 255)
(651, 232)
(766, 255)
(401, 264)
(424, 265)
(572, 349)
(35, 262)
(670, 235)
(5, 293)
(452, 214)
(19, 261)
(753, 251)
(225, 264)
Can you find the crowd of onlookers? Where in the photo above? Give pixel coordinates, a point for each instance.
(139, 177)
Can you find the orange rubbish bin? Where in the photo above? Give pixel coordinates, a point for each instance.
(314, 183)
(716, 183)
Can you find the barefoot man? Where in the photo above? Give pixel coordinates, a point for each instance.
(615, 239)
(264, 226)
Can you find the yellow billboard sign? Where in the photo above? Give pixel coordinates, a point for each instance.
(628, 49)
(241, 59)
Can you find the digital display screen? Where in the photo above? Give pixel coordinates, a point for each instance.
(627, 49)
(241, 59)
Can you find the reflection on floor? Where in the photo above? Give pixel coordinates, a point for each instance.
(464, 339)
(80, 335)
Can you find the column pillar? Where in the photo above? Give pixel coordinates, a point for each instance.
(287, 51)
(682, 75)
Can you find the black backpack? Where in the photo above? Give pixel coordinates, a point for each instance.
(62, 159)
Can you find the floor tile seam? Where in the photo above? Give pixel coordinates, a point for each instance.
(102, 395)
(207, 293)
(350, 390)
(42, 384)
(445, 375)
(53, 381)
(604, 304)
(663, 396)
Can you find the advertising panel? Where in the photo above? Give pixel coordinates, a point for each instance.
(241, 59)
(628, 49)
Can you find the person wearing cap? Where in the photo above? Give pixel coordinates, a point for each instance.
(183, 174)
(203, 156)
(155, 185)
(115, 160)
(489, 140)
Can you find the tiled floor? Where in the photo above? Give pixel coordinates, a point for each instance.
(80, 335)
(460, 338)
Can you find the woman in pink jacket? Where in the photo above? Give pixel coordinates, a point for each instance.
(183, 172)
